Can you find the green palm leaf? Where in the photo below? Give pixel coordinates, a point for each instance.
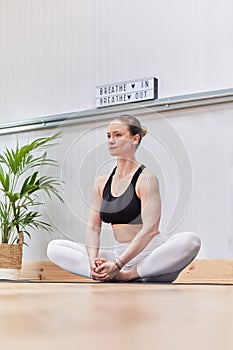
(20, 185)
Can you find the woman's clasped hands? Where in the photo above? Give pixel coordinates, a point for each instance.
(103, 270)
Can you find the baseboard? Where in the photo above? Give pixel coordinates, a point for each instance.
(219, 271)
(216, 271)
(47, 271)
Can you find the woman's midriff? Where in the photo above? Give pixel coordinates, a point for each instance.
(125, 233)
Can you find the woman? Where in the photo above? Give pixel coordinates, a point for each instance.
(129, 199)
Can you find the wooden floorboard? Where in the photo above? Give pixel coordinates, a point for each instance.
(57, 310)
(115, 316)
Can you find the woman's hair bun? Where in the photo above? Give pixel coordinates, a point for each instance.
(144, 131)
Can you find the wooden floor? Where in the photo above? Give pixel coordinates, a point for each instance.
(43, 315)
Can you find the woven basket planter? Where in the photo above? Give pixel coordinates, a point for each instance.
(11, 254)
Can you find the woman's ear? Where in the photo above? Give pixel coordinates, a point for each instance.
(136, 139)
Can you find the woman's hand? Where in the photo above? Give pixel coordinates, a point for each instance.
(107, 267)
(101, 277)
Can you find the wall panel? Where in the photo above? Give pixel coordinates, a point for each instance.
(190, 151)
(54, 52)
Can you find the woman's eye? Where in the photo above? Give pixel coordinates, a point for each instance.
(116, 135)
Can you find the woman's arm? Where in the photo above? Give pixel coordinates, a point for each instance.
(150, 213)
(93, 228)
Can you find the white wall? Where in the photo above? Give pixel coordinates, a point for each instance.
(54, 52)
(47, 61)
(189, 150)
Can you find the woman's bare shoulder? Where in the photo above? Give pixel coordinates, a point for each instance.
(100, 182)
(148, 178)
(147, 175)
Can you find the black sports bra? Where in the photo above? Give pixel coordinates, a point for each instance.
(124, 209)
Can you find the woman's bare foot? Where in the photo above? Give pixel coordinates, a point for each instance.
(122, 276)
(126, 276)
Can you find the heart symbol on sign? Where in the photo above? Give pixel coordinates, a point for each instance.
(133, 86)
(129, 96)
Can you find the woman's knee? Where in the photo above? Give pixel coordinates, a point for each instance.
(189, 243)
(192, 243)
(52, 249)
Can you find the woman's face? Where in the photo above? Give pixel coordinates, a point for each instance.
(120, 142)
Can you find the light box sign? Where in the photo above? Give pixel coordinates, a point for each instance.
(127, 92)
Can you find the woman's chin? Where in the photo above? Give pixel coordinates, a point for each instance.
(113, 152)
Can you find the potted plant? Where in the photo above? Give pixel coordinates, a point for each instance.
(21, 181)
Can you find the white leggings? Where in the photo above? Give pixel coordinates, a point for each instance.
(159, 262)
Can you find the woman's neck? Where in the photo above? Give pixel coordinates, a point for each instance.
(126, 166)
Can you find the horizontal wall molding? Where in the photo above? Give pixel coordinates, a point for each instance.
(94, 115)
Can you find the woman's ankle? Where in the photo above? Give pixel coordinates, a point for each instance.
(133, 274)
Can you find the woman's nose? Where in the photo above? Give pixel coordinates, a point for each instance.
(111, 140)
